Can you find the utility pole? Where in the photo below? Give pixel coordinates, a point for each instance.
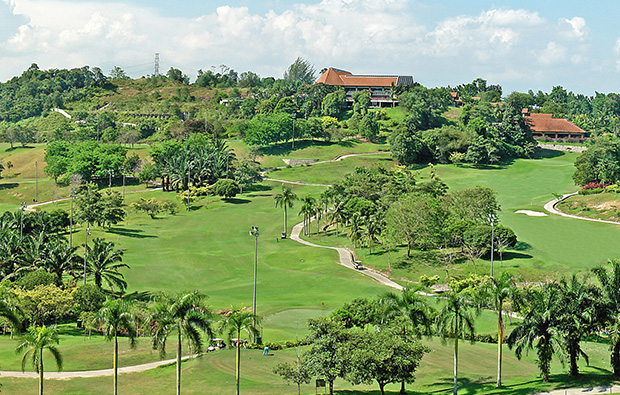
(71, 219)
(36, 181)
(492, 221)
(293, 116)
(86, 233)
(254, 232)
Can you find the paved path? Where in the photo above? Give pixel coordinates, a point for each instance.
(345, 259)
(31, 207)
(92, 373)
(550, 207)
(614, 389)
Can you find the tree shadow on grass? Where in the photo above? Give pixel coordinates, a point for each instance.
(9, 185)
(285, 148)
(548, 153)
(142, 296)
(237, 201)
(136, 233)
(522, 246)
(510, 255)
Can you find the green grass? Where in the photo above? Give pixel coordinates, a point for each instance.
(599, 206)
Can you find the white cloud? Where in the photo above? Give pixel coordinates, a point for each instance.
(578, 28)
(553, 53)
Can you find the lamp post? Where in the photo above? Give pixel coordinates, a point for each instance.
(293, 116)
(36, 181)
(492, 222)
(254, 232)
(111, 172)
(227, 159)
(189, 173)
(71, 219)
(123, 187)
(86, 233)
(21, 221)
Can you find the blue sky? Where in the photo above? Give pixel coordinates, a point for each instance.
(520, 45)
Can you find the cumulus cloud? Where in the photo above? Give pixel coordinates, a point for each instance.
(10, 21)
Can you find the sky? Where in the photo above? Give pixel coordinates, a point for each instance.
(520, 45)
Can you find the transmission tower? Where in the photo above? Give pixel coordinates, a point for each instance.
(156, 64)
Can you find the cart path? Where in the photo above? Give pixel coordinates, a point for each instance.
(550, 207)
(346, 259)
(32, 207)
(93, 373)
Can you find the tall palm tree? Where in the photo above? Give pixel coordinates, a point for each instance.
(37, 339)
(114, 317)
(610, 287)
(577, 317)
(539, 328)
(308, 209)
(104, 263)
(285, 199)
(454, 320)
(184, 313)
(496, 291)
(238, 320)
(9, 311)
(411, 306)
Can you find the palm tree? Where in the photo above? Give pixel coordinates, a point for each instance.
(454, 320)
(539, 328)
(337, 214)
(238, 320)
(308, 209)
(372, 230)
(495, 291)
(114, 317)
(411, 306)
(104, 264)
(577, 317)
(59, 259)
(610, 287)
(285, 199)
(37, 339)
(9, 312)
(185, 313)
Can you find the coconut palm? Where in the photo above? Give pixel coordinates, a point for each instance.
(337, 214)
(104, 264)
(496, 291)
(237, 321)
(411, 306)
(37, 339)
(610, 287)
(9, 311)
(455, 320)
(539, 328)
(184, 313)
(114, 317)
(308, 209)
(285, 199)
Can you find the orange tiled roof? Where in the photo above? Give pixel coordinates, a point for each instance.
(345, 78)
(545, 123)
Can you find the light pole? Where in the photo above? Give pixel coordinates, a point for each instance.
(227, 159)
(189, 173)
(86, 233)
(21, 221)
(293, 116)
(36, 181)
(71, 219)
(123, 187)
(254, 232)
(492, 221)
(111, 174)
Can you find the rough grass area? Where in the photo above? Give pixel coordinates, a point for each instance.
(600, 206)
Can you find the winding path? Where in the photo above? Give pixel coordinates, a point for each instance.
(550, 207)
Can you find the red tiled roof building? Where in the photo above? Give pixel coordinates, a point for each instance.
(380, 86)
(544, 125)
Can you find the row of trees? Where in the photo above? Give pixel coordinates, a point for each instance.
(183, 316)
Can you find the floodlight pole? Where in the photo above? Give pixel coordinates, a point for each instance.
(36, 181)
(21, 221)
(254, 232)
(71, 219)
(293, 116)
(86, 233)
(492, 221)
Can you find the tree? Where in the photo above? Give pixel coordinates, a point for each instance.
(148, 173)
(334, 104)
(369, 127)
(104, 264)
(324, 357)
(496, 291)
(300, 71)
(226, 187)
(577, 317)
(88, 207)
(297, 372)
(114, 318)
(455, 320)
(308, 209)
(237, 321)
(609, 281)
(59, 259)
(33, 342)
(414, 309)
(539, 328)
(408, 148)
(285, 199)
(8, 312)
(112, 208)
(184, 313)
(384, 357)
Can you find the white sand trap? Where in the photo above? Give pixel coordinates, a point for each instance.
(531, 213)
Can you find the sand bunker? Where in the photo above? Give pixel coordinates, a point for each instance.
(531, 213)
